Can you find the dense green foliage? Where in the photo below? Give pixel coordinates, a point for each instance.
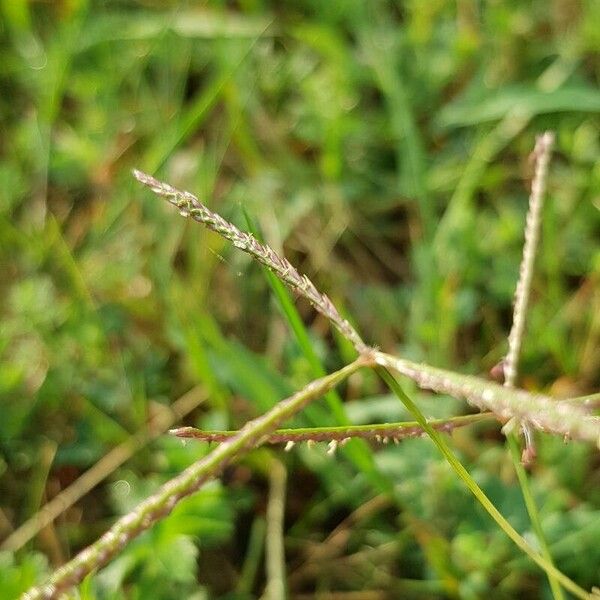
(384, 147)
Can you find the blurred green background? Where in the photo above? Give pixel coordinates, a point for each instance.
(384, 147)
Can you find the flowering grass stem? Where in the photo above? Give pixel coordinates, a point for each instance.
(160, 504)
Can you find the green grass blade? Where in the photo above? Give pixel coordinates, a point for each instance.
(479, 494)
(356, 450)
(532, 510)
(290, 313)
(499, 103)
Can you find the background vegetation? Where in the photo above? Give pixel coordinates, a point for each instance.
(384, 147)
